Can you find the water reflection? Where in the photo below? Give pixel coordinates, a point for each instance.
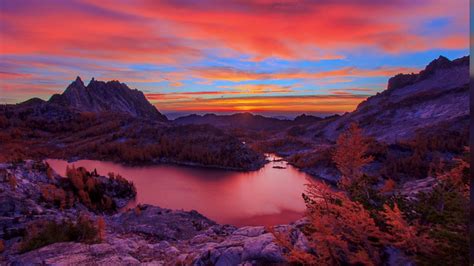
(271, 195)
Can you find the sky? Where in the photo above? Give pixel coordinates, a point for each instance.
(277, 57)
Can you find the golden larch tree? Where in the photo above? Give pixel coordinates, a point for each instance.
(350, 154)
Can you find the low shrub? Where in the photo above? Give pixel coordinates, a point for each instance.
(42, 233)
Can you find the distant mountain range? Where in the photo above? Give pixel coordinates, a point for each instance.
(436, 96)
(246, 121)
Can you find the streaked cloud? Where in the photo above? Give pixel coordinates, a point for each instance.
(236, 75)
(206, 52)
(304, 103)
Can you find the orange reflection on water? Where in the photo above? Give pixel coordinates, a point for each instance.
(268, 196)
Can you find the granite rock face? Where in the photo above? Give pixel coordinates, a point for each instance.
(111, 96)
(211, 245)
(402, 80)
(438, 96)
(158, 236)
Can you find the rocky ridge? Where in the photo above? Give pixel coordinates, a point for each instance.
(111, 96)
(436, 96)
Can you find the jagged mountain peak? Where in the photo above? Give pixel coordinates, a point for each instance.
(110, 96)
(79, 80)
(436, 96)
(77, 83)
(402, 80)
(441, 60)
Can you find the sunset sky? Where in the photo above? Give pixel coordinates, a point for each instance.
(278, 57)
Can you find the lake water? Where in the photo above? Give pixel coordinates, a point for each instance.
(268, 196)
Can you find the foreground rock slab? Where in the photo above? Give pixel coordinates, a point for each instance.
(156, 236)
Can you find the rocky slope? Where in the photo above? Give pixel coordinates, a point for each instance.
(437, 96)
(144, 235)
(111, 96)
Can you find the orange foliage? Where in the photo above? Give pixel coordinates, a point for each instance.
(101, 228)
(350, 154)
(293, 254)
(51, 193)
(76, 176)
(50, 172)
(404, 236)
(340, 230)
(85, 199)
(90, 189)
(455, 177)
(350, 157)
(90, 230)
(90, 184)
(389, 186)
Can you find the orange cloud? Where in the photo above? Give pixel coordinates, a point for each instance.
(324, 103)
(185, 95)
(103, 37)
(236, 75)
(351, 91)
(245, 89)
(261, 88)
(13, 75)
(177, 31)
(298, 29)
(65, 31)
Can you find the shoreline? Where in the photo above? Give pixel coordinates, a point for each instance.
(161, 162)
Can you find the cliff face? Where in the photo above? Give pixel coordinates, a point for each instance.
(402, 80)
(437, 96)
(111, 96)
